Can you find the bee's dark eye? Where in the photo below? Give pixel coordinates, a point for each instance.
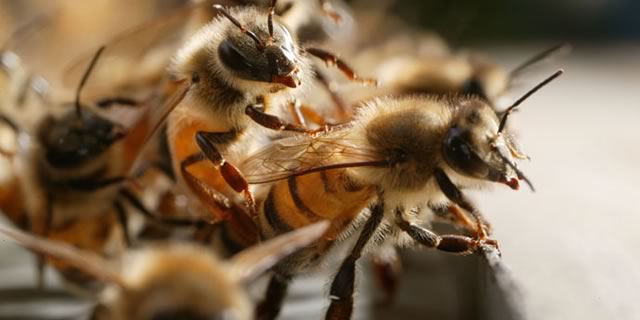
(459, 154)
(232, 58)
(474, 87)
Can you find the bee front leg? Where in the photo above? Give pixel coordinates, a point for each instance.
(254, 111)
(343, 285)
(453, 193)
(207, 143)
(275, 123)
(332, 60)
(270, 307)
(449, 242)
(302, 112)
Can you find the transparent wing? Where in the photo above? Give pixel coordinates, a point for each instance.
(305, 154)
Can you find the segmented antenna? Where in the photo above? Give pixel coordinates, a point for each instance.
(239, 25)
(84, 79)
(507, 112)
(272, 11)
(546, 54)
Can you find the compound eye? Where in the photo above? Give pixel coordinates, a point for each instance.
(460, 156)
(233, 58)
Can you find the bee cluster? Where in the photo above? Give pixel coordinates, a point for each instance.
(226, 140)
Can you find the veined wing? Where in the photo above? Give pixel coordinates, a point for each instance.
(301, 155)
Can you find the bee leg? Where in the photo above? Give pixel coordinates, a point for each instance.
(302, 112)
(270, 121)
(332, 60)
(461, 220)
(449, 243)
(453, 193)
(109, 102)
(140, 207)
(217, 201)
(275, 123)
(387, 268)
(344, 110)
(342, 287)
(295, 109)
(207, 143)
(124, 221)
(269, 308)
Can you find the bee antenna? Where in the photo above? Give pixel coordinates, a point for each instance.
(546, 54)
(507, 112)
(272, 11)
(84, 79)
(239, 25)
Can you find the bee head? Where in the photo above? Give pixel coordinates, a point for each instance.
(71, 141)
(253, 52)
(476, 146)
(473, 146)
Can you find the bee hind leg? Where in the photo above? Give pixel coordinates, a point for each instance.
(343, 285)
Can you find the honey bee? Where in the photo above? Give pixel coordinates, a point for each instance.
(237, 69)
(174, 281)
(397, 154)
(69, 167)
(438, 71)
(231, 71)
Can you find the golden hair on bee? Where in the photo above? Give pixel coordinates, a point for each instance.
(174, 281)
(398, 153)
(240, 71)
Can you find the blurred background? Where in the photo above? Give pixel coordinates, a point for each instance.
(573, 245)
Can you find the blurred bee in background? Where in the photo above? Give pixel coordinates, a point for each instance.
(397, 154)
(70, 165)
(174, 281)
